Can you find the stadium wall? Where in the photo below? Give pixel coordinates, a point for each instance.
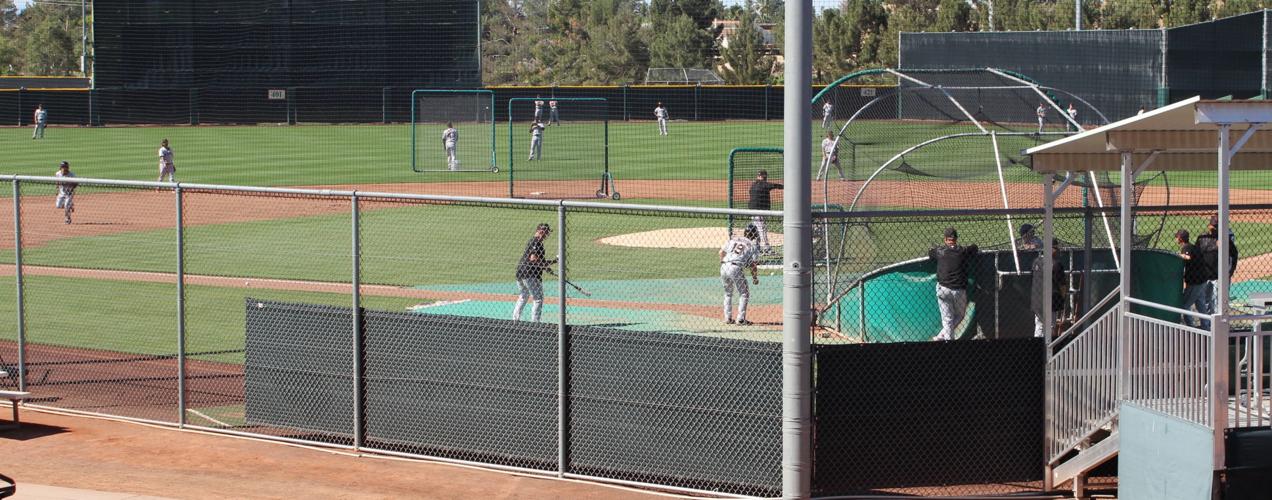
(252, 105)
(282, 43)
(1117, 71)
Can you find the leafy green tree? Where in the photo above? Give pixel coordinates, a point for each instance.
(1183, 12)
(9, 51)
(49, 37)
(744, 59)
(847, 39)
(510, 28)
(1126, 14)
(679, 43)
(1228, 8)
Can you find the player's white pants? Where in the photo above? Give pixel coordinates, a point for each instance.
(826, 121)
(529, 288)
(764, 240)
(825, 168)
(450, 155)
(168, 170)
(553, 117)
(731, 276)
(64, 200)
(1039, 124)
(39, 131)
(538, 114)
(536, 147)
(953, 306)
(662, 126)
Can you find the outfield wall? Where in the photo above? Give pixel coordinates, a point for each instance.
(1117, 71)
(252, 105)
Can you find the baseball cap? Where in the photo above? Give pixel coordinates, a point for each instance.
(1026, 229)
(950, 232)
(64, 164)
(544, 226)
(762, 173)
(1182, 234)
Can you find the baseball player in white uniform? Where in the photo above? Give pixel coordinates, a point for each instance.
(1073, 117)
(736, 255)
(538, 109)
(660, 113)
(166, 165)
(536, 139)
(65, 191)
(553, 117)
(828, 113)
(1042, 114)
(41, 120)
(450, 139)
(830, 156)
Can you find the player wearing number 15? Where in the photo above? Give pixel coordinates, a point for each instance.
(167, 166)
(737, 254)
(450, 138)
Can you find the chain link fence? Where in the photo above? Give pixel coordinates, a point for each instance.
(645, 349)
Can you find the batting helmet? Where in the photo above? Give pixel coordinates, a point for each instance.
(751, 232)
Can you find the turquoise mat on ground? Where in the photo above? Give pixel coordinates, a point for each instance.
(705, 291)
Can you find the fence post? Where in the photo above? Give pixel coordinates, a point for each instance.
(181, 316)
(563, 348)
(17, 272)
(384, 105)
(697, 90)
(359, 423)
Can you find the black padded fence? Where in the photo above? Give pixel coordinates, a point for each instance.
(692, 411)
(1216, 59)
(679, 410)
(277, 104)
(962, 417)
(1118, 72)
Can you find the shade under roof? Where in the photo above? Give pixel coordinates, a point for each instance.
(1185, 136)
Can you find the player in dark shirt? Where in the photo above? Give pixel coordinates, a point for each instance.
(1197, 290)
(762, 199)
(530, 274)
(1037, 289)
(952, 262)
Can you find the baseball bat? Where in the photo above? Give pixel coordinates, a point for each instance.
(572, 285)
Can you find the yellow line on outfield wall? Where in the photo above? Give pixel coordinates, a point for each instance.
(664, 86)
(51, 89)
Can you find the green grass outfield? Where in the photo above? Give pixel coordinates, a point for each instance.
(273, 155)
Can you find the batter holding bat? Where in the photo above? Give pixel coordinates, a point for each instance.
(530, 274)
(736, 255)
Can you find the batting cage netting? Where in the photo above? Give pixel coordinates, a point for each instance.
(453, 130)
(559, 148)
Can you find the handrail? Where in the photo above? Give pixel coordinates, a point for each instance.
(1091, 313)
(1167, 308)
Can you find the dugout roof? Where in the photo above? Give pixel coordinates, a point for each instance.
(1183, 136)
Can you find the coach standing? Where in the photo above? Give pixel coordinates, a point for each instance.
(1198, 293)
(530, 274)
(761, 199)
(952, 262)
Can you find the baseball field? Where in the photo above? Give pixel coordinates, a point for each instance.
(105, 286)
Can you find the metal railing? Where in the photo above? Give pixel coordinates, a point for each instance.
(1250, 372)
(1168, 367)
(1082, 383)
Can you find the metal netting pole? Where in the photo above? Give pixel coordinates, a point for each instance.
(181, 312)
(797, 213)
(359, 424)
(563, 352)
(17, 273)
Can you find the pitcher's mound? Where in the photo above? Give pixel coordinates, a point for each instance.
(684, 237)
